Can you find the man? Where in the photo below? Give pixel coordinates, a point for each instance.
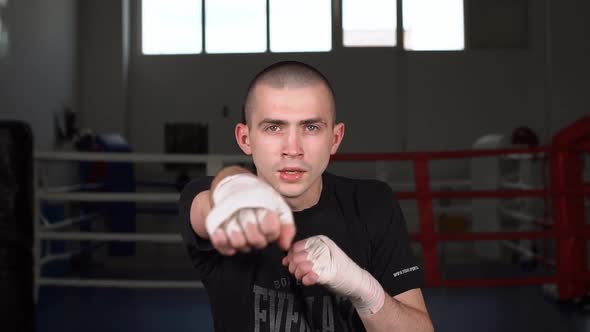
(294, 248)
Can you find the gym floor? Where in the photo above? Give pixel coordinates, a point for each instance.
(523, 308)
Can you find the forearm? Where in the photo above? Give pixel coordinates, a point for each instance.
(319, 260)
(228, 171)
(396, 316)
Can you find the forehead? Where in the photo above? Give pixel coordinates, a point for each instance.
(291, 103)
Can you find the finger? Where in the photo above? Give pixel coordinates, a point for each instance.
(299, 257)
(310, 279)
(269, 225)
(286, 235)
(236, 236)
(219, 239)
(287, 259)
(260, 214)
(248, 222)
(221, 243)
(292, 267)
(254, 237)
(298, 246)
(303, 269)
(285, 214)
(227, 251)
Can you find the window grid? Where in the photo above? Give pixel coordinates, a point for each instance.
(336, 27)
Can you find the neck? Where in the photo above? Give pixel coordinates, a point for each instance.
(310, 198)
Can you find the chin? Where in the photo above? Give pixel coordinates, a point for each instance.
(290, 191)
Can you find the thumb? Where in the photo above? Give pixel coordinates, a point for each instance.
(286, 235)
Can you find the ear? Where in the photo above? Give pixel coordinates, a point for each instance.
(338, 136)
(242, 133)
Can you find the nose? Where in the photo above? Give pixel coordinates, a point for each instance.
(292, 145)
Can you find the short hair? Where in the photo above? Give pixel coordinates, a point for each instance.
(287, 74)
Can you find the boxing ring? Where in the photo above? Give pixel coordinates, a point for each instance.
(46, 231)
(567, 190)
(566, 225)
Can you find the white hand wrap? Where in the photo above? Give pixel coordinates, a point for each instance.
(343, 276)
(244, 191)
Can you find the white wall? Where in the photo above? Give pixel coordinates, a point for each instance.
(444, 91)
(103, 64)
(570, 61)
(420, 101)
(38, 73)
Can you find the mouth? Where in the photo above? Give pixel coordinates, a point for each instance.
(291, 170)
(291, 174)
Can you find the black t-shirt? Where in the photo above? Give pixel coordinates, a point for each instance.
(255, 292)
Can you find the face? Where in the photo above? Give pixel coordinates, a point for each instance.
(291, 135)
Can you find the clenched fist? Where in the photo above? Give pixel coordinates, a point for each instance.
(318, 260)
(248, 213)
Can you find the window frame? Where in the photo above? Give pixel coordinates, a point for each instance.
(337, 35)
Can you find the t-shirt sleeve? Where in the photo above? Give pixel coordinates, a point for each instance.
(201, 252)
(392, 261)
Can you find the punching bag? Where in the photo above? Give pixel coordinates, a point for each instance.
(16, 227)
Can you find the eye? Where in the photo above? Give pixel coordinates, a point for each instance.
(312, 127)
(272, 128)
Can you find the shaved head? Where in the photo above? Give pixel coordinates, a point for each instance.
(286, 74)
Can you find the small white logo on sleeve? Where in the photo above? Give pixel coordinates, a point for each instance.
(404, 271)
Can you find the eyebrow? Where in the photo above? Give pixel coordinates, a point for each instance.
(312, 121)
(277, 122)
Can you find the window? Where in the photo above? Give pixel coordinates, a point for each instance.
(369, 22)
(235, 26)
(300, 25)
(168, 29)
(433, 25)
(428, 24)
(240, 26)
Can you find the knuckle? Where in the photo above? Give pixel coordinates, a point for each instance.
(259, 244)
(237, 241)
